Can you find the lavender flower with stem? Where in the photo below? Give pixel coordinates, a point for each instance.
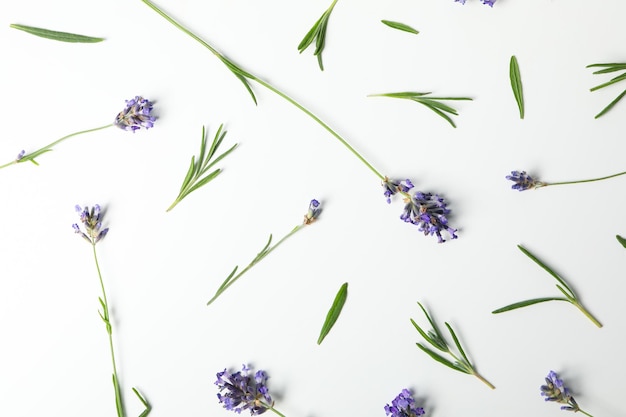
(522, 181)
(435, 338)
(241, 391)
(556, 391)
(310, 217)
(569, 294)
(487, 2)
(404, 406)
(136, 115)
(425, 210)
(246, 77)
(93, 233)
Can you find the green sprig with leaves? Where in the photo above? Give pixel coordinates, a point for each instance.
(516, 85)
(460, 362)
(197, 176)
(569, 294)
(318, 34)
(400, 26)
(606, 69)
(433, 103)
(309, 217)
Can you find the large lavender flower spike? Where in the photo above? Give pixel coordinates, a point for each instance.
(240, 391)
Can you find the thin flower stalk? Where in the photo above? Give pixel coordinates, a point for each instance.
(522, 181)
(136, 115)
(569, 294)
(93, 232)
(245, 77)
(310, 217)
(435, 338)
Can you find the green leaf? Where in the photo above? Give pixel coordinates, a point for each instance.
(610, 82)
(441, 359)
(145, 403)
(333, 313)
(516, 85)
(527, 303)
(57, 36)
(458, 344)
(400, 26)
(621, 240)
(547, 269)
(611, 104)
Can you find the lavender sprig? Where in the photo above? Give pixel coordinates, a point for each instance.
(310, 217)
(93, 232)
(318, 34)
(435, 338)
(566, 290)
(608, 68)
(522, 181)
(240, 391)
(433, 103)
(556, 391)
(136, 115)
(404, 406)
(195, 177)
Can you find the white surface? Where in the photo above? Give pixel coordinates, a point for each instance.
(161, 268)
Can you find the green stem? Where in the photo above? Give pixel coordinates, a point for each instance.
(254, 262)
(240, 73)
(585, 413)
(587, 313)
(282, 415)
(31, 156)
(471, 369)
(479, 376)
(582, 181)
(118, 394)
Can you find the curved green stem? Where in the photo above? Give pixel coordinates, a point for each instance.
(241, 74)
(31, 156)
(587, 313)
(107, 321)
(582, 181)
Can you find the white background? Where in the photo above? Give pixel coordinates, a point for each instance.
(160, 268)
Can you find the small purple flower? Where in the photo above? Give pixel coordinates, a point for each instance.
(555, 390)
(136, 115)
(523, 181)
(428, 212)
(489, 2)
(403, 406)
(313, 212)
(20, 155)
(91, 220)
(243, 392)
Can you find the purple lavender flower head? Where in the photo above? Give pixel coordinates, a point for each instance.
(239, 391)
(136, 115)
(428, 212)
(555, 390)
(403, 406)
(20, 155)
(392, 187)
(523, 181)
(92, 223)
(489, 2)
(314, 211)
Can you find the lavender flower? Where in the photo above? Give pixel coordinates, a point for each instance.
(20, 155)
(244, 392)
(424, 210)
(523, 181)
(555, 390)
(136, 115)
(487, 2)
(91, 220)
(313, 212)
(403, 406)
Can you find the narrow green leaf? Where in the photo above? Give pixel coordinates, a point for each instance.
(145, 403)
(441, 359)
(621, 240)
(610, 82)
(427, 101)
(527, 303)
(310, 36)
(189, 175)
(516, 85)
(57, 36)
(333, 313)
(424, 335)
(547, 269)
(611, 104)
(458, 344)
(400, 26)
